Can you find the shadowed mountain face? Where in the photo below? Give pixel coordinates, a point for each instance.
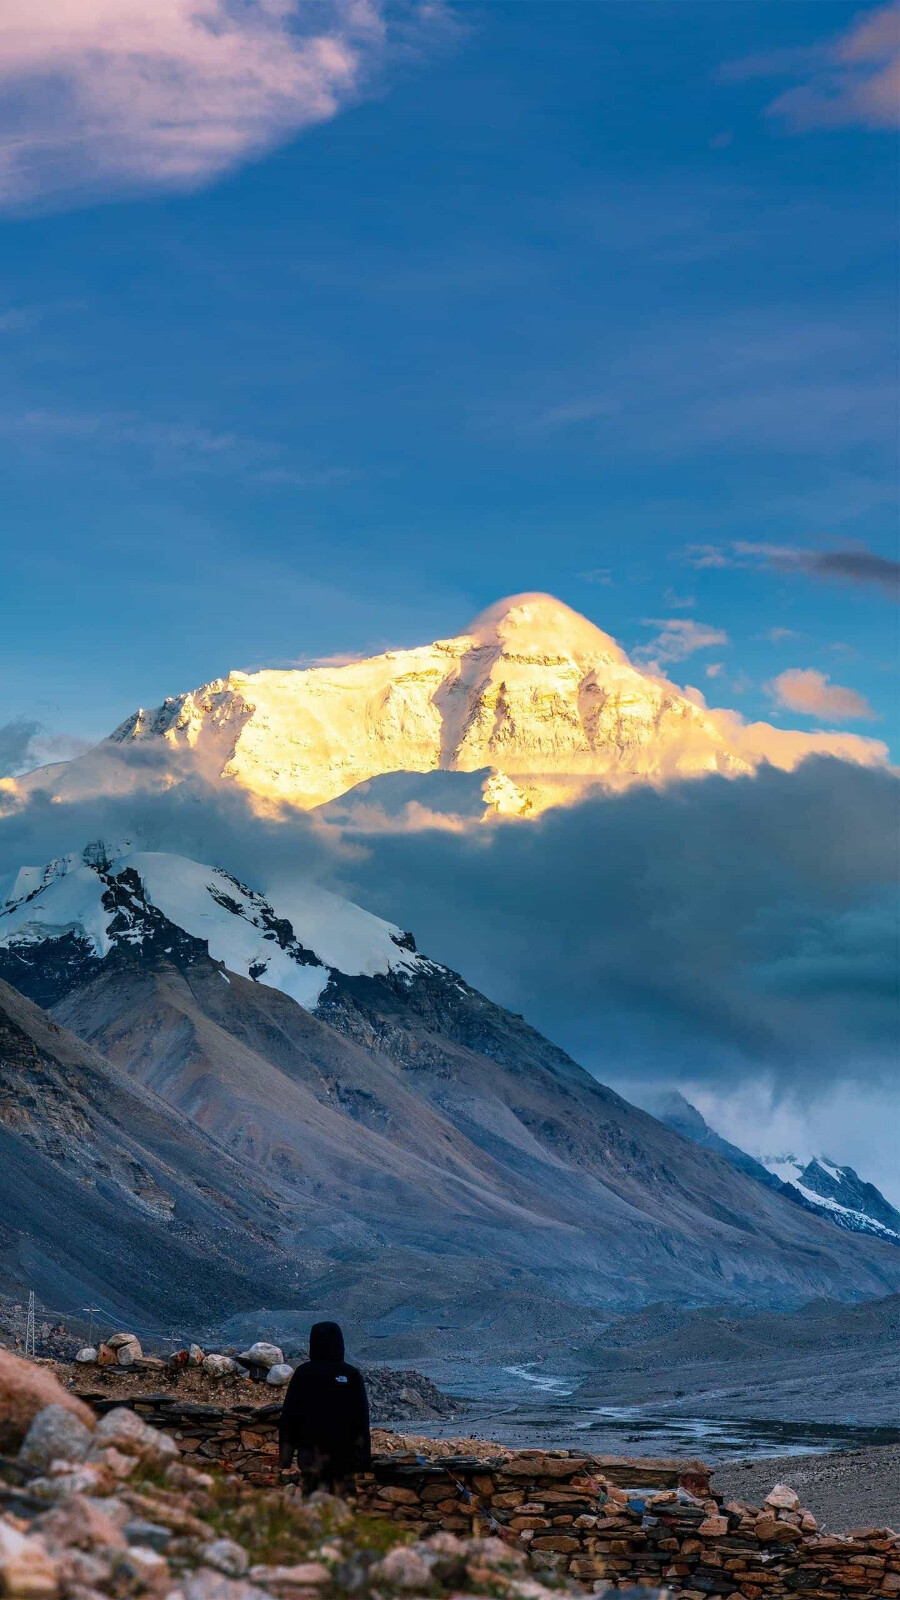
(445, 1168)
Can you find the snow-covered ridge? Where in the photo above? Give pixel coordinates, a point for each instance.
(533, 695)
(104, 899)
(839, 1192)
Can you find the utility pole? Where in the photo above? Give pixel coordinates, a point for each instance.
(29, 1327)
(92, 1311)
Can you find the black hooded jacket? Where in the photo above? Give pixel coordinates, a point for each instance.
(325, 1416)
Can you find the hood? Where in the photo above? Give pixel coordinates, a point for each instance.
(326, 1342)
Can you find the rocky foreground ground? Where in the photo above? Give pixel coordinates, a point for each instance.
(117, 1509)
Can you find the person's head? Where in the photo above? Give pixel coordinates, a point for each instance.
(326, 1342)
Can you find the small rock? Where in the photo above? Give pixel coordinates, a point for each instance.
(783, 1498)
(405, 1568)
(195, 1355)
(87, 1355)
(146, 1566)
(55, 1434)
(151, 1534)
(181, 1476)
(106, 1356)
(303, 1575)
(226, 1556)
(27, 1570)
(713, 1528)
(115, 1462)
(207, 1584)
(218, 1366)
(280, 1374)
(808, 1522)
(86, 1479)
(81, 1523)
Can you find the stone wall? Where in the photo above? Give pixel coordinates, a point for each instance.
(600, 1520)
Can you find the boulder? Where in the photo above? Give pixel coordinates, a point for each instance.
(26, 1389)
(122, 1432)
(218, 1366)
(55, 1434)
(279, 1374)
(117, 1341)
(106, 1356)
(87, 1356)
(195, 1355)
(263, 1355)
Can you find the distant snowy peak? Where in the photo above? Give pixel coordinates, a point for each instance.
(837, 1193)
(840, 1192)
(85, 906)
(532, 696)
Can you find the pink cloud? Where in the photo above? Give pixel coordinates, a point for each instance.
(850, 80)
(118, 94)
(803, 689)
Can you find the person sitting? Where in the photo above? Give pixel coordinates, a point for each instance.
(325, 1416)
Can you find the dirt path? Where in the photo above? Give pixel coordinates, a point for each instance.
(844, 1490)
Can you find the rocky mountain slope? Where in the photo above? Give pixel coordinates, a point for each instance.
(836, 1193)
(451, 1175)
(108, 1192)
(533, 696)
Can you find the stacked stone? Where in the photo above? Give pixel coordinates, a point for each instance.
(602, 1521)
(241, 1439)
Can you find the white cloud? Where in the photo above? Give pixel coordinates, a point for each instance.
(803, 689)
(107, 95)
(850, 80)
(679, 638)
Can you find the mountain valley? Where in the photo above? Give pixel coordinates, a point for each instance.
(430, 1166)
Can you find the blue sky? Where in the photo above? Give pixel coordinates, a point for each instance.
(594, 298)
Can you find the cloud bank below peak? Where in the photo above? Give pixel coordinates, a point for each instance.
(106, 96)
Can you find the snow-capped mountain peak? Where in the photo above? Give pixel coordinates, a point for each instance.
(90, 904)
(847, 1198)
(533, 696)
